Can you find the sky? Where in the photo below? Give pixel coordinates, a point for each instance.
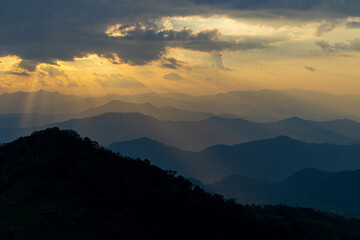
(97, 47)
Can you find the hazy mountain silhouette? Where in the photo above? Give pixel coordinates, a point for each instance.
(33, 119)
(244, 189)
(272, 159)
(294, 102)
(25, 120)
(161, 113)
(195, 135)
(29, 102)
(57, 185)
(45, 102)
(336, 192)
(263, 105)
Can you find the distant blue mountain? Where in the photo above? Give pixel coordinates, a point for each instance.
(198, 135)
(336, 192)
(161, 113)
(272, 159)
(263, 105)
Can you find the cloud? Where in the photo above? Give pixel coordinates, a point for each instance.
(118, 80)
(72, 84)
(310, 69)
(353, 24)
(55, 72)
(139, 31)
(22, 73)
(352, 45)
(324, 45)
(339, 7)
(217, 62)
(326, 26)
(43, 83)
(172, 63)
(240, 44)
(172, 77)
(203, 41)
(46, 31)
(28, 65)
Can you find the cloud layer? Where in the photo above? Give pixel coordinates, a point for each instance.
(43, 31)
(340, 7)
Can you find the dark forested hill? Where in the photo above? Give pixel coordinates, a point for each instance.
(57, 185)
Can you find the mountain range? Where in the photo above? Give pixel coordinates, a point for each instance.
(270, 159)
(28, 120)
(262, 105)
(57, 185)
(198, 135)
(335, 192)
(161, 113)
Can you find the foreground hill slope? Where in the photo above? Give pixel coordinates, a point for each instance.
(56, 185)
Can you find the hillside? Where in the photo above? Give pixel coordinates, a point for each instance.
(57, 185)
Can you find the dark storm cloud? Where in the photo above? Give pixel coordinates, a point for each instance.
(43, 31)
(204, 41)
(340, 7)
(140, 32)
(46, 30)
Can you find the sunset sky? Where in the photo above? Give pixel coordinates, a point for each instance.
(96, 47)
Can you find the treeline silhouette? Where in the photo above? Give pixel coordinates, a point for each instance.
(56, 185)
